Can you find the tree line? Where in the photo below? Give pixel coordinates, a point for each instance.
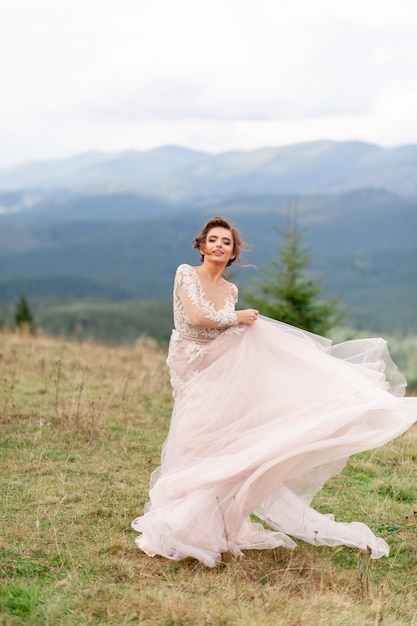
(283, 292)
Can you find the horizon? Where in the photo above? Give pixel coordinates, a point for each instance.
(103, 152)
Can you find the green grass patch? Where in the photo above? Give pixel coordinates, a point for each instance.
(81, 429)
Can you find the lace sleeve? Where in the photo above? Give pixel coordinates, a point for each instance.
(200, 312)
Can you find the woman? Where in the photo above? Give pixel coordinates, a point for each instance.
(264, 414)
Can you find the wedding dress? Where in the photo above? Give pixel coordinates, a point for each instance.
(263, 416)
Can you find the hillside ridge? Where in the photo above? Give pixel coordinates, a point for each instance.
(179, 173)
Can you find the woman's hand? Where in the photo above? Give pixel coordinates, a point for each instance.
(247, 316)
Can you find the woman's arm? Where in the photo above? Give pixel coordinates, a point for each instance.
(200, 314)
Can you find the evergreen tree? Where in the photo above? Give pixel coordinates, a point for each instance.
(285, 292)
(23, 314)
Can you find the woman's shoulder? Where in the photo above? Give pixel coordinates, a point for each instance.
(184, 269)
(233, 288)
(230, 284)
(185, 273)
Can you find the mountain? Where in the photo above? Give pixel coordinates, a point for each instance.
(180, 174)
(362, 245)
(336, 224)
(59, 206)
(106, 173)
(115, 226)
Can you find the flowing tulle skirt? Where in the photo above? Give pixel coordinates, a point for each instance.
(263, 416)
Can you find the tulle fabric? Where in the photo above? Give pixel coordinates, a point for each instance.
(263, 416)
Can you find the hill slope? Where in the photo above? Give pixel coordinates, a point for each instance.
(115, 226)
(362, 247)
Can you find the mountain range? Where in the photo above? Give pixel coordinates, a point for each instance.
(115, 226)
(179, 173)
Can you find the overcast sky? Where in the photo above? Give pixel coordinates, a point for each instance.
(214, 75)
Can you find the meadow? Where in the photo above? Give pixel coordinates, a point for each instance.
(82, 426)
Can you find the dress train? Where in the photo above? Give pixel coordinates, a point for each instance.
(263, 416)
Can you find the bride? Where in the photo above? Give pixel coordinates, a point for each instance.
(264, 414)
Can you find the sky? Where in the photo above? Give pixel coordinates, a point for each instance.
(211, 75)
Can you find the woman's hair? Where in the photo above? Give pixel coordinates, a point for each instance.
(238, 244)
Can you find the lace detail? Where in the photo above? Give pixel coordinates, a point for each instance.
(191, 304)
(197, 322)
(195, 351)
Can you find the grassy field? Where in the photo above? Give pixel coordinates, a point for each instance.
(81, 429)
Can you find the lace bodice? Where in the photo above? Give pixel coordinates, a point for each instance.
(198, 313)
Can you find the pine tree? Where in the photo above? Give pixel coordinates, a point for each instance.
(285, 292)
(23, 314)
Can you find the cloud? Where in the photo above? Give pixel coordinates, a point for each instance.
(213, 75)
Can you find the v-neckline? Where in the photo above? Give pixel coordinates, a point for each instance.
(204, 295)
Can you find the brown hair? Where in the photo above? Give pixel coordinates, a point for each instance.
(238, 244)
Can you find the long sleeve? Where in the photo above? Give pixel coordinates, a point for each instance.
(200, 312)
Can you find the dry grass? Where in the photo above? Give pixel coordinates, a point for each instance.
(81, 429)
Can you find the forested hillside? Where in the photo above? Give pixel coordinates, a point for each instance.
(61, 241)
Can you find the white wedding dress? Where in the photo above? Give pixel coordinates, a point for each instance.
(263, 416)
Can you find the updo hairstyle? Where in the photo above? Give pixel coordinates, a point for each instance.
(238, 244)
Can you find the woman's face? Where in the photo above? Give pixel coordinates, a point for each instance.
(218, 246)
